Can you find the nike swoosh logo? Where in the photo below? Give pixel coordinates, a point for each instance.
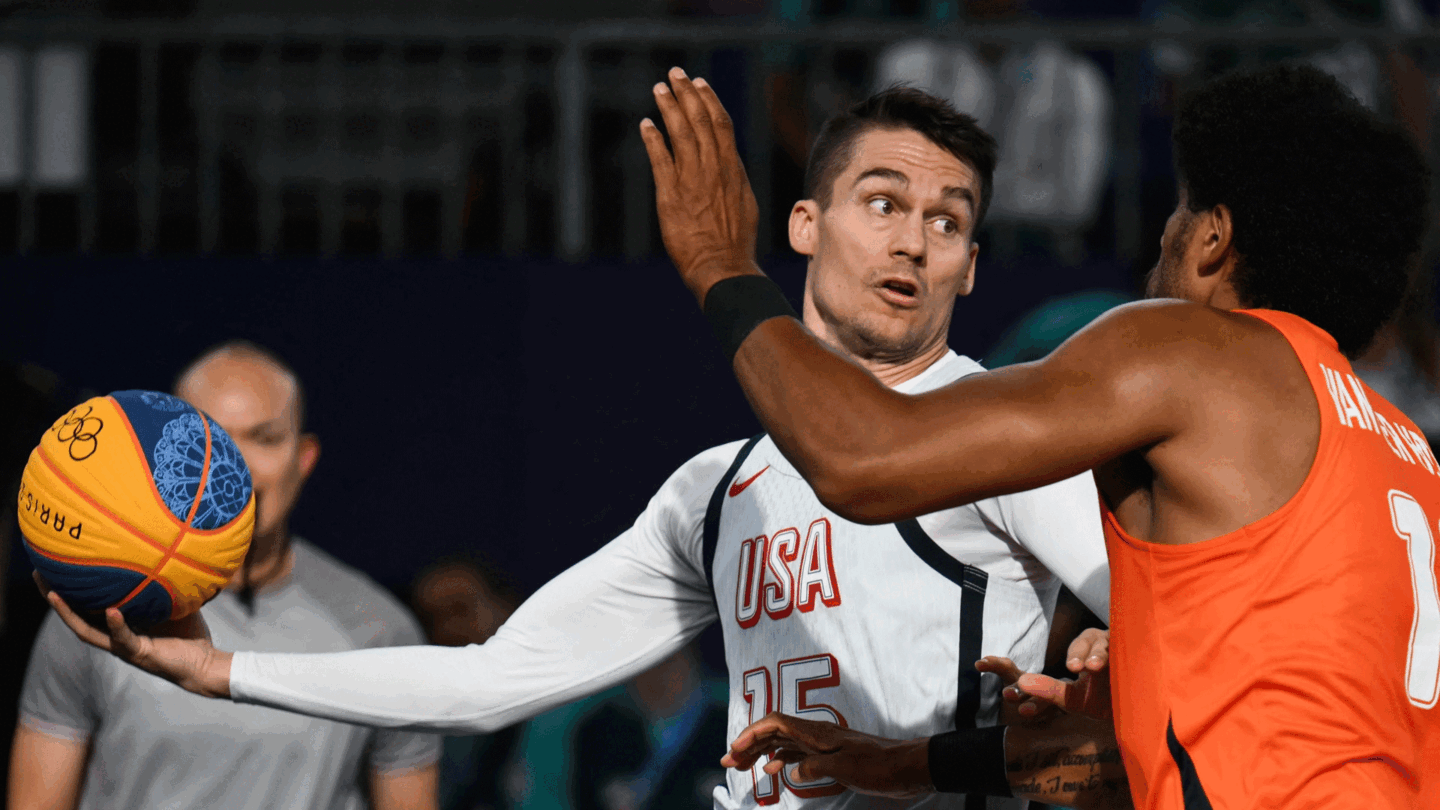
(739, 486)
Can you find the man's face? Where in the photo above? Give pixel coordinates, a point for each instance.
(255, 402)
(1170, 276)
(893, 248)
(458, 609)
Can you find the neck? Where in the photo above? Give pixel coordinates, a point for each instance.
(892, 373)
(889, 370)
(1226, 298)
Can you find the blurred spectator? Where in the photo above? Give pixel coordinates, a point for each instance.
(651, 743)
(95, 732)
(1371, 77)
(656, 746)
(1403, 364)
(461, 601)
(1048, 107)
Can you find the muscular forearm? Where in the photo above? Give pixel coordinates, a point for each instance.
(876, 456)
(1072, 761)
(822, 411)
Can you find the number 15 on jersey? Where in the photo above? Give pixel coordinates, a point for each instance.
(788, 691)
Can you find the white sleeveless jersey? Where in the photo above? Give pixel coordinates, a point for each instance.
(873, 627)
(877, 627)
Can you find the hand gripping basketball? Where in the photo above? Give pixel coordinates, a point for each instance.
(179, 651)
(706, 207)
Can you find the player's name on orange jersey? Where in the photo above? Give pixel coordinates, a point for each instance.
(1355, 412)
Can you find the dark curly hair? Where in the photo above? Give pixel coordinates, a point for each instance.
(1329, 203)
(900, 108)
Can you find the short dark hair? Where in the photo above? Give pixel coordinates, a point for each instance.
(1329, 202)
(242, 346)
(900, 107)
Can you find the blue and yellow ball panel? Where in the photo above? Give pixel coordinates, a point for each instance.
(138, 494)
(105, 585)
(179, 441)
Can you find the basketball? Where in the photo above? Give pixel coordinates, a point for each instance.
(139, 501)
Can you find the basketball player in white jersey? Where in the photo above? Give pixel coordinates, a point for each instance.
(874, 627)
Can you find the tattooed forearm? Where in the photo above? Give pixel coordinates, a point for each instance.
(1072, 761)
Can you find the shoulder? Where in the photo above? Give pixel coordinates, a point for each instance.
(709, 466)
(675, 517)
(58, 649)
(694, 481)
(1161, 339)
(1164, 322)
(58, 645)
(369, 613)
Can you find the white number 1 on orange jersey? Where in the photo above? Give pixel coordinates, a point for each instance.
(1422, 670)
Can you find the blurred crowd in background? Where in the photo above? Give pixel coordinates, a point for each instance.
(440, 213)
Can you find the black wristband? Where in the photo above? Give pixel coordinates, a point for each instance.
(970, 760)
(736, 305)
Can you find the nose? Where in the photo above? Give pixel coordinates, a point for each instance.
(908, 239)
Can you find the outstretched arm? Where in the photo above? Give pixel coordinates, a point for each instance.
(871, 454)
(606, 619)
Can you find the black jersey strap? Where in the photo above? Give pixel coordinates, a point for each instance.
(710, 536)
(972, 582)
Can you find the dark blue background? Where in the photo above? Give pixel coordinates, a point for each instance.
(527, 408)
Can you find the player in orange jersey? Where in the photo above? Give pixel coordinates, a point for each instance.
(1270, 521)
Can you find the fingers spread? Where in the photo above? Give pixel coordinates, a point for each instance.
(697, 115)
(661, 164)
(806, 770)
(1099, 651)
(1046, 689)
(1093, 644)
(677, 126)
(1004, 667)
(720, 124)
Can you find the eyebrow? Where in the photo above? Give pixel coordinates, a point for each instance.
(960, 193)
(883, 174)
(277, 422)
(950, 192)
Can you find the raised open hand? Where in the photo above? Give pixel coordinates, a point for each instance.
(1027, 709)
(815, 750)
(178, 651)
(1089, 693)
(706, 206)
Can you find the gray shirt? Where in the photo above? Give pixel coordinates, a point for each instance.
(154, 745)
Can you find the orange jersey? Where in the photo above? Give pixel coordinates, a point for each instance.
(1293, 663)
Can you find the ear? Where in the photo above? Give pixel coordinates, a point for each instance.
(1213, 240)
(309, 454)
(804, 227)
(967, 281)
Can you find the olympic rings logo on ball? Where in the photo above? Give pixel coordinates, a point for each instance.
(78, 431)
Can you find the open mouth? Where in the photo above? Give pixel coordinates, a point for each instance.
(899, 290)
